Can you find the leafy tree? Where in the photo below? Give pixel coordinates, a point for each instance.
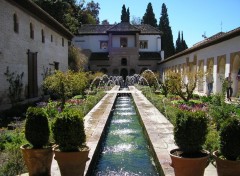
(93, 9)
(167, 37)
(125, 14)
(105, 22)
(136, 20)
(179, 85)
(66, 84)
(149, 16)
(76, 60)
(70, 13)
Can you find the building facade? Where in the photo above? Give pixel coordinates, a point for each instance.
(218, 56)
(121, 49)
(31, 42)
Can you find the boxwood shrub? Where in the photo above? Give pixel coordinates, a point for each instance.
(37, 129)
(190, 130)
(68, 130)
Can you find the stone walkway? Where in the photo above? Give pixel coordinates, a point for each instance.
(158, 129)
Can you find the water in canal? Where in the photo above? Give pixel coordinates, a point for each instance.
(125, 150)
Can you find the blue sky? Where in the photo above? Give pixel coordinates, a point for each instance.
(193, 17)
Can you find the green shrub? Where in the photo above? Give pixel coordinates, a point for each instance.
(37, 130)
(220, 113)
(218, 99)
(68, 130)
(230, 139)
(212, 141)
(190, 130)
(11, 157)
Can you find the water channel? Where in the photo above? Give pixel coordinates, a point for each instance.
(125, 150)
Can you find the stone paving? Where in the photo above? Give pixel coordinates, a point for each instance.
(158, 129)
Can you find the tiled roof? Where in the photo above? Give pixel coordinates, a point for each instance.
(210, 38)
(94, 29)
(148, 29)
(90, 29)
(215, 39)
(123, 27)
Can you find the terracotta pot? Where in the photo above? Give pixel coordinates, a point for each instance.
(189, 166)
(38, 161)
(71, 163)
(226, 167)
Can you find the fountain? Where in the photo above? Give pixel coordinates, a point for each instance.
(124, 149)
(150, 71)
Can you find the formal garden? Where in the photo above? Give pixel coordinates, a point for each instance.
(62, 92)
(76, 93)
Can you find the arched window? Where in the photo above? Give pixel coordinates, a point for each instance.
(124, 62)
(31, 31)
(43, 36)
(15, 23)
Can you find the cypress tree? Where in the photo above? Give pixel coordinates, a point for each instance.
(180, 43)
(167, 37)
(125, 14)
(184, 45)
(128, 15)
(149, 16)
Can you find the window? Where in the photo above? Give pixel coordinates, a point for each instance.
(103, 44)
(123, 42)
(43, 36)
(62, 41)
(15, 22)
(124, 62)
(144, 44)
(56, 65)
(51, 38)
(31, 31)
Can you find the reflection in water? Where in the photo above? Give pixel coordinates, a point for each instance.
(125, 151)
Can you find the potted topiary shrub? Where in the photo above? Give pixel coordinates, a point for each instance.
(190, 132)
(69, 135)
(228, 156)
(38, 154)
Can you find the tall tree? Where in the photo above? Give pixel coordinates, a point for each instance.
(167, 37)
(184, 45)
(93, 8)
(125, 14)
(149, 16)
(180, 43)
(128, 15)
(71, 14)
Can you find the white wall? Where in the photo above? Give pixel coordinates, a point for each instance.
(224, 48)
(153, 45)
(14, 46)
(116, 40)
(91, 42)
